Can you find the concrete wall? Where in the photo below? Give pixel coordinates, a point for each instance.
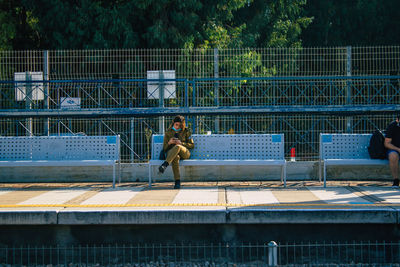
(301, 170)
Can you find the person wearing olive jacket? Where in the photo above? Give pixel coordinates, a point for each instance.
(177, 142)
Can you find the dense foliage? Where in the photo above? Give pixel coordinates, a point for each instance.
(99, 24)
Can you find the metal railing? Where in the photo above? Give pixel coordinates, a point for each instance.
(301, 108)
(207, 92)
(266, 254)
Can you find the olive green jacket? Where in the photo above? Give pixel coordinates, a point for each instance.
(185, 136)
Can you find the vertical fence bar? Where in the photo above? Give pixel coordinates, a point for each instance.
(46, 88)
(348, 87)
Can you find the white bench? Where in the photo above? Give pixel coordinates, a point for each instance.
(345, 149)
(60, 151)
(229, 149)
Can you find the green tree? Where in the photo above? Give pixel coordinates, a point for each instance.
(273, 23)
(18, 27)
(359, 22)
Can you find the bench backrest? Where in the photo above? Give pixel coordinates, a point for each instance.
(231, 146)
(60, 148)
(344, 146)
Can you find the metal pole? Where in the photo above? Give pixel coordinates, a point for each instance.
(132, 127)
(216, 88)
(161, 103)
(272, 254)
(349, 120)
(46, 89)
(28, 102)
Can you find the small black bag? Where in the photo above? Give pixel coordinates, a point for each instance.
(162, 155)
(377, 149)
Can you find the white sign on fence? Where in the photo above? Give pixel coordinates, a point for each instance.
(70, 102)
(153, 87)
(36, 88)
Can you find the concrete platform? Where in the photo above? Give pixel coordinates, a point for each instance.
(199, 203)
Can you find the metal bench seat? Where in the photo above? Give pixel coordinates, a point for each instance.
(59, 151)
(56, 163)
(228, 149)
(345, 149)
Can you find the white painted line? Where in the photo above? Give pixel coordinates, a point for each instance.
(54, 197)
(387, 194)
(197, 195)
(251, 196)
(113, 196)
(337, 195)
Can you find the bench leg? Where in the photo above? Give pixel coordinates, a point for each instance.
(119, 171)
(149, 175)
(324, 175)
(114, 175)
(284, 174)
(320, 170)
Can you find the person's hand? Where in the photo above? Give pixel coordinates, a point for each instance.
(171, 141)
(178, 142)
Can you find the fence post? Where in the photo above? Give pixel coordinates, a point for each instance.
(161, 103)
(28, 102)
(349, 120)
(46, 88)
(216, 88)
(272, 254)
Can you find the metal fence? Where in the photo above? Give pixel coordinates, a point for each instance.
(203, 63)
(253, 254)
(300, 92)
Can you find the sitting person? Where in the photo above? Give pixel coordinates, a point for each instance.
(177, 142)
(392, 143)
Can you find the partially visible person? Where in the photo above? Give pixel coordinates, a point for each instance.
(177, 142)
(392, 143)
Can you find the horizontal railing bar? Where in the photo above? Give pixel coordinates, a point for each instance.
(272, 78)
(193, 111)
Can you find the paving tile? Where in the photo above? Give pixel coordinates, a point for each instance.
(337, 195)
(384, 194)
(159, 195)
(193, 195)
(54, 197)
(250, 196)
(18, 196)
(119, 195)
(296, 196)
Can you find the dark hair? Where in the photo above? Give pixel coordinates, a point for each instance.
(179, 118)
(398, 116)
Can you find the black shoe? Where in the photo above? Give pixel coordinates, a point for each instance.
(163, 166)
(177, 184)
(395, 182)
